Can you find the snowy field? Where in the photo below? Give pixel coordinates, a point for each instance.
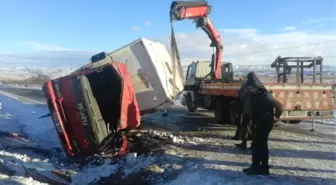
(202, 154)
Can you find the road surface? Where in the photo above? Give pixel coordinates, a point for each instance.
(297, 154)
(179, 119)
(34, 94)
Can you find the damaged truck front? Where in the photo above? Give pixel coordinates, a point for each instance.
(91, 109)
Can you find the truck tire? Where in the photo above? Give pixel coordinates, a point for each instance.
(224, 112)
(228, 118)
(219, 110)
(233, 111)
(292, 121)
(190, 104)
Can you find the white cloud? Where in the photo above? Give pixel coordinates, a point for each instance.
(148, 23)
(289, 28)
(136, 28)
(48, 58)
(46, 47)
(46, 55)
(240, 45)
(327, 19)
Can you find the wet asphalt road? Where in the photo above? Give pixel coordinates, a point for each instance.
(34, 94)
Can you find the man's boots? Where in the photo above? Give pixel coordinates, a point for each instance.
(252, 170)
(264, 170)
(257, 170)
(235, 138)
(242, 145)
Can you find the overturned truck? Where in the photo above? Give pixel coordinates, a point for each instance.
(91, 109)
(94, 105)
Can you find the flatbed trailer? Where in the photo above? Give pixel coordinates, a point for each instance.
(301, 100)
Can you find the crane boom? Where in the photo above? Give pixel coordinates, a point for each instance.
(199, 11)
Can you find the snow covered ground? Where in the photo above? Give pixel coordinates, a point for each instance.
(23, 72)
(203, 154)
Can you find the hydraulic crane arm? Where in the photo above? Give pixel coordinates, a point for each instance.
(199, 11)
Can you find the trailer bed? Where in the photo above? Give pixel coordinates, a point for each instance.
(300, 101)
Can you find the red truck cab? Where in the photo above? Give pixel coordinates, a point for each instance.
(91, 107)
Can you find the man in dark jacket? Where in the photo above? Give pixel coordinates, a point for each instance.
(263, 105)
(244, 131)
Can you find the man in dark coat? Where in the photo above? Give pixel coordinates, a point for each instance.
(263, 105)
(244, 131)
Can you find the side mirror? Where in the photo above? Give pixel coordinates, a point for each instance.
(98, 57)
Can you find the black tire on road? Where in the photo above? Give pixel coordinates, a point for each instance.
(295, 121)
(292, 121)
(219, 110)
(190, 104)
(224, 114)
(233, 111)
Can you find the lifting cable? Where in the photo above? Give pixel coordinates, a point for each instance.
(175, 56)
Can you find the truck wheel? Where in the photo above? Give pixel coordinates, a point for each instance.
(223, 112)
(219, 110)
(292, 121)
(232, 112)
(227, 116)
(190, 104)
(295, 121)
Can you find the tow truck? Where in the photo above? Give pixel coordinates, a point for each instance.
(211, 84)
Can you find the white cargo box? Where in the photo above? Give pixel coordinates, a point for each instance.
(150, 66)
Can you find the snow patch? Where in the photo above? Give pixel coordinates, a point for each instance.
(177, 138)
(179, 99)
(91, 174)
(24, 118)
(16, 180)
(18, 162)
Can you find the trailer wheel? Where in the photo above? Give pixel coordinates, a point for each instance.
(228, 116)
(292, 121)
(190, 104)
(219, 112)
(295, 121)
(232, 112)
(225, 113)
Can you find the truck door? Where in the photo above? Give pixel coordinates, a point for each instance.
(227, 72)
(191, 74)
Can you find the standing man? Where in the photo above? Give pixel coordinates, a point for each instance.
(263, 106)
(244, 131)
